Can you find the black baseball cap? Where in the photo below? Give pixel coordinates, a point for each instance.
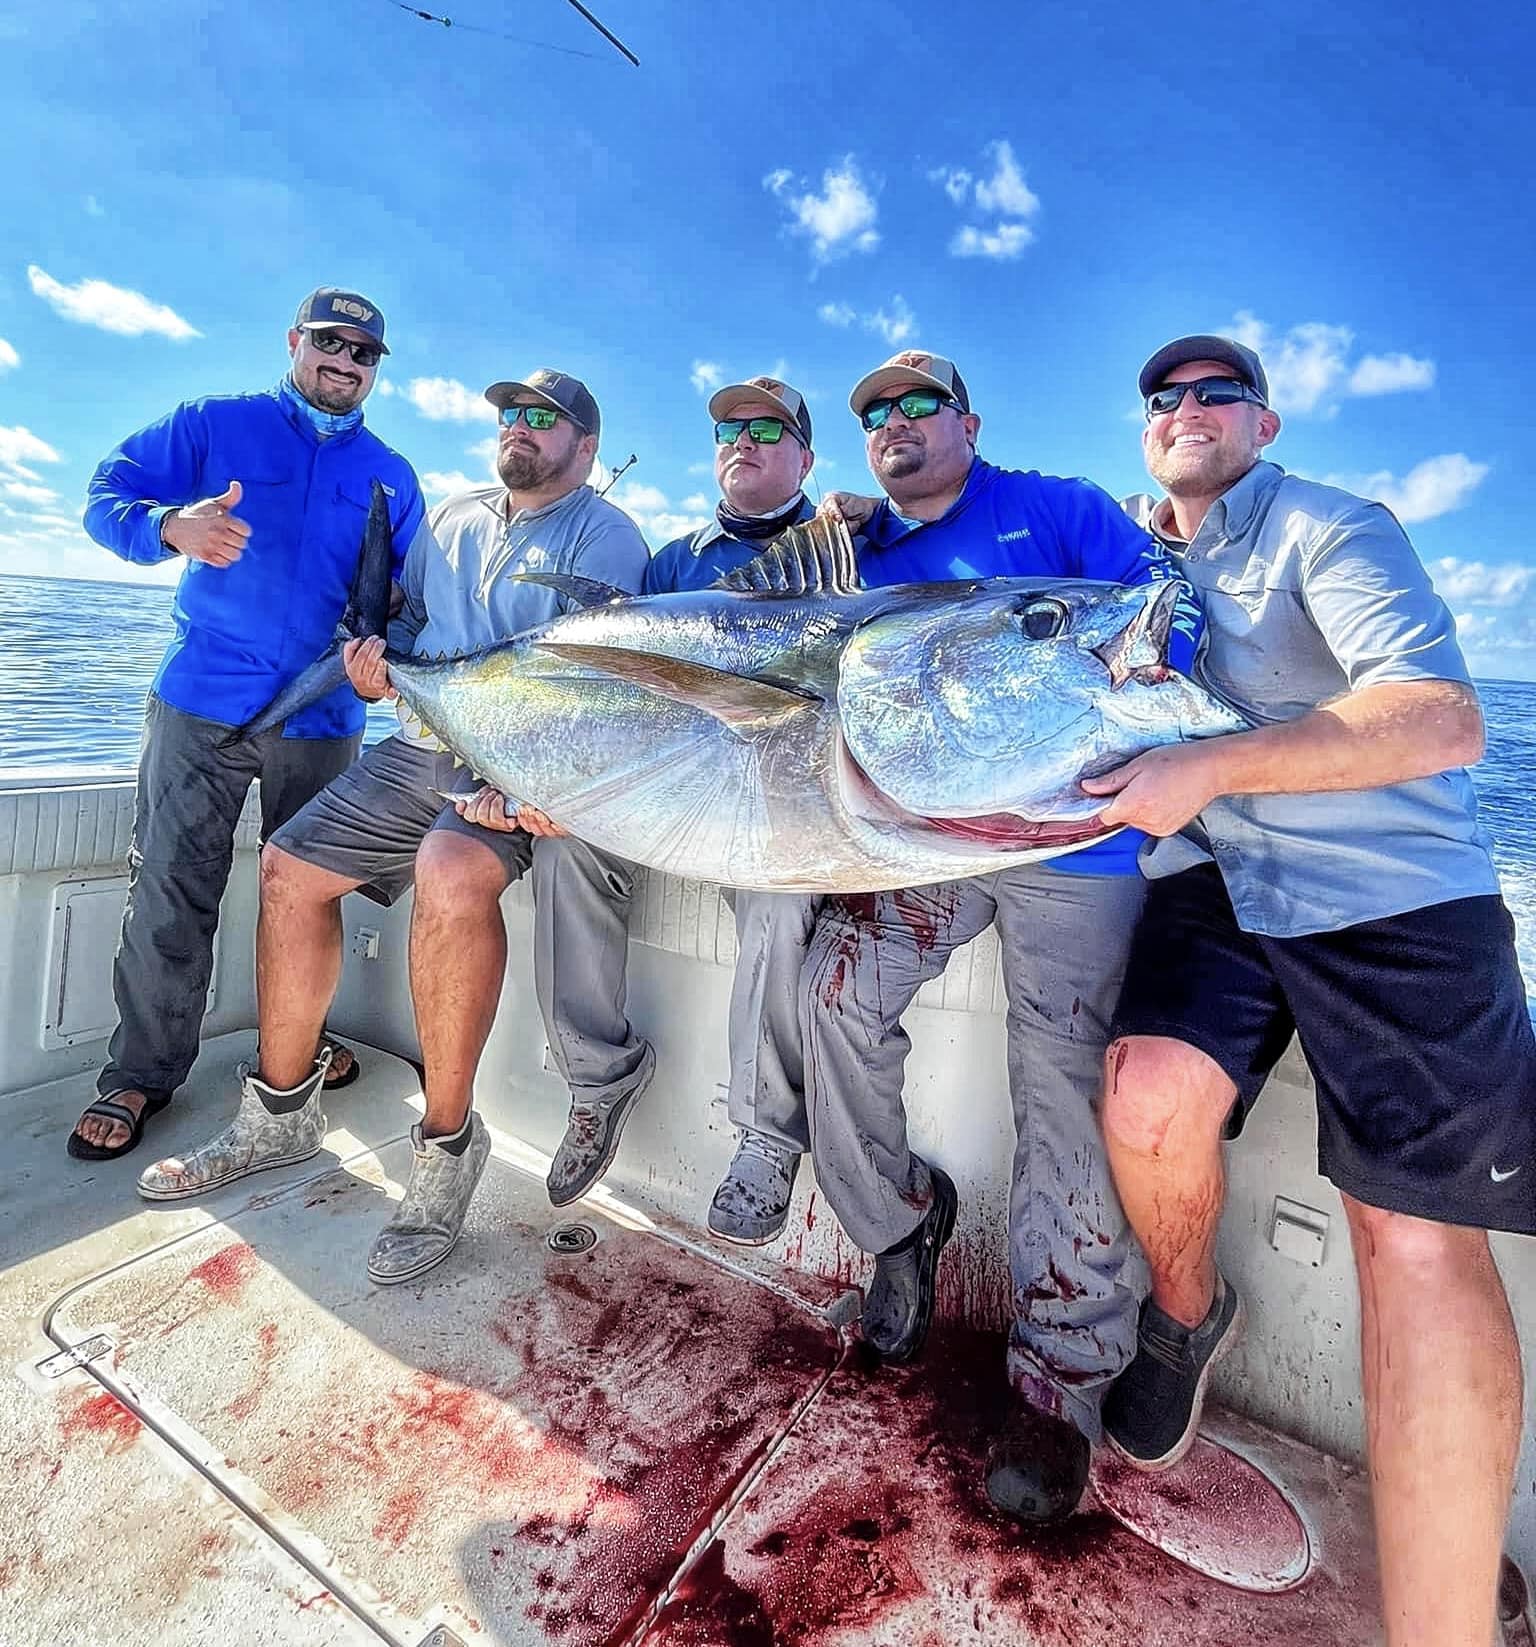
(329, 306)
(555, 389)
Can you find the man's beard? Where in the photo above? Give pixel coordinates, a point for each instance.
(1210, 475)
(897, 462)
(331, 397)
(530, 470)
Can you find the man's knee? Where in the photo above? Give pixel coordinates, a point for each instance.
(454, 870)
(1417, 1252)
(1154, 1086)
(286, 879)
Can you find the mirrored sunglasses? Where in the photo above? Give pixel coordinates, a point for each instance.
(914, 404)
(536, 417)
(766, 431)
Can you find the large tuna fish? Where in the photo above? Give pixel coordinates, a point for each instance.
(795, 733)
(366, 613)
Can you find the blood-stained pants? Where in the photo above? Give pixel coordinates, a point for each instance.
(1078, 1276)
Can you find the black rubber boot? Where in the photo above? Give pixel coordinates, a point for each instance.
(898, 1309)
(1037, 1468)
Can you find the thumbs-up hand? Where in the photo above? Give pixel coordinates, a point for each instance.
(207, 530)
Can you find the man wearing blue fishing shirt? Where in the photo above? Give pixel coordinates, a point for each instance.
(265, 497)
(1325, 875)
(762, 457)
(1064, 926)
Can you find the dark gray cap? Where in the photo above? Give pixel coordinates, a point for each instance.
(557, 389)
(330, 306)
(1183, 350)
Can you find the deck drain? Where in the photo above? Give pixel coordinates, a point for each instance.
(572, 1238)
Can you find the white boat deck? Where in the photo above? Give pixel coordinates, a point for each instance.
(643, 1440)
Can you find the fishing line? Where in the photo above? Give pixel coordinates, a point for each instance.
(523, 40)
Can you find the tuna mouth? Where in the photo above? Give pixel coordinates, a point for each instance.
(1000, 831)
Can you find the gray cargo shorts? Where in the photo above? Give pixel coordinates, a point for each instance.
(368, 823)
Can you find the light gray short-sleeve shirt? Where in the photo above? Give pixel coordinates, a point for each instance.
(1310, 592)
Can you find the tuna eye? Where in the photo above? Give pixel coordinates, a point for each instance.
(1043, 619)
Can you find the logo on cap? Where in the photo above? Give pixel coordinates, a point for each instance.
(912, 357)
(350, 307)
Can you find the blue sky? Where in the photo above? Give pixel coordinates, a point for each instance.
(1043, 193)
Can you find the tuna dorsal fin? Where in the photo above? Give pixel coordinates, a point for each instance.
(815, 557)
(583, 591)
(736, 700)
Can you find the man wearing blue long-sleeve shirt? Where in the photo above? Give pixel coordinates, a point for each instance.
(265, 497)
(1065, 928)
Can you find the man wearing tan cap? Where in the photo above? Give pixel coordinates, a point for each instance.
(1064, 927)
(762, 456)
(383, 826)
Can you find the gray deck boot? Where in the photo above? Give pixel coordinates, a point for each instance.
(592, 1134)
(430, 1218)
(272, 1128)
(752, 1203)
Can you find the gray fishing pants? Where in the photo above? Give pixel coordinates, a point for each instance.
(1078, 1276)
(189, 798)
(580, 946)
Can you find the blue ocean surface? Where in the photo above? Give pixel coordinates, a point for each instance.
(78, 659)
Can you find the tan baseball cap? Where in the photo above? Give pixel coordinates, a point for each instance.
(723, 402)
(910, 366)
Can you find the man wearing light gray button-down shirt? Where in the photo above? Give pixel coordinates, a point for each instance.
(1325, 874)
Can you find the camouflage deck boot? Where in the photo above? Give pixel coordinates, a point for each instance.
(272, 1128)
(430, 1218)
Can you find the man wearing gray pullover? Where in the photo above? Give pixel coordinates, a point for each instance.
(383, 825)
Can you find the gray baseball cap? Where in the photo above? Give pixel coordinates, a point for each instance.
(910, 366)
(557, 389)
(1203, 346)
(790, 402)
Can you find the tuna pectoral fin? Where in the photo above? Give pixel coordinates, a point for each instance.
(582, 592)
(736, 700)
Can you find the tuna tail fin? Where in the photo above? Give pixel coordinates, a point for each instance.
(815, 557)
(738, 701)
(582, 592)
(367, 610)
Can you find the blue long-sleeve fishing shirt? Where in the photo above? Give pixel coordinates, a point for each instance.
(244, 631)
(1013, 524)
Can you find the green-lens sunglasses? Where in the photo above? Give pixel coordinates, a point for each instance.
(914, 404)
(765, 431)
(536, 417)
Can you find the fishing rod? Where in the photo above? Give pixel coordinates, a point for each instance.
(616, 472)
(520, 40)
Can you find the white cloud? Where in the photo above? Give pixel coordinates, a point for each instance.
(1474, 583)
(8, 356)
(446, 400)
(382, 386)
(1309, 369)
(895, 321)
(696, 504)
(28, 492)
(706, 375)
(1005, 191)
(19, 447)
(111, 308)
(1006, 241)
(1389, 374)
(839, 220)
(438, 484)
(1433, 487)
(653, 512)
(485, 450)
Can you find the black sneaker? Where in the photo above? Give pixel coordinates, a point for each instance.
(1037, 1468)
(899, 1307)
(1153, 1408)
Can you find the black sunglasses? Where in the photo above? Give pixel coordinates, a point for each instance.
(332, 343)
(1208, 391)
(914, 404)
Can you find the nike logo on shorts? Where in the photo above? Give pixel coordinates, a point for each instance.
(1499, 1177)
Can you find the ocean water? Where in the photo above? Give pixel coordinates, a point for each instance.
(78, 659)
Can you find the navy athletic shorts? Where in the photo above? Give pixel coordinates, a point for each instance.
(1415, 1028)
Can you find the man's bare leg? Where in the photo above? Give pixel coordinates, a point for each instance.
(458, 958)
(1440, 1363)
(298, 961)
(1165, 1104)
